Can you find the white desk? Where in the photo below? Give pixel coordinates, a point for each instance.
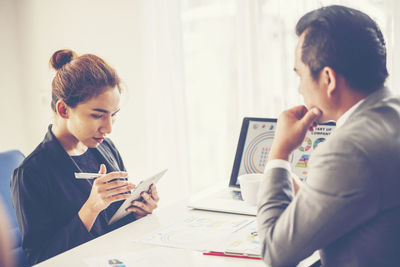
(121, 241)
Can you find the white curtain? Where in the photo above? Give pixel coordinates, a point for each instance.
(152, 130)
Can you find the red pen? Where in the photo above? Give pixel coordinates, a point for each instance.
(233, 255)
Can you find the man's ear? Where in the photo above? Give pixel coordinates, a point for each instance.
(62, 109)
(329, 77)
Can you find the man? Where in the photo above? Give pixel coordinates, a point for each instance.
(349, 208)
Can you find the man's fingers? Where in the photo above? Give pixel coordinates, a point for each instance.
(298, 111)
(310, 117)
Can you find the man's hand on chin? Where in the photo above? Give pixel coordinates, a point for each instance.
(292, 127)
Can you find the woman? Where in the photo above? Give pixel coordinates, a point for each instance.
(56, 211)
(6, 259)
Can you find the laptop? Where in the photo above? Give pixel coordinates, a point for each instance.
(251, 156)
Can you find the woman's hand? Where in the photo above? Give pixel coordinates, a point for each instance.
(103, 193)
(141, 208)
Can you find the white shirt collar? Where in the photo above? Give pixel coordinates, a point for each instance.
(347, 114)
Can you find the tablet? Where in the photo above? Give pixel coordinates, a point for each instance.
(143, 186)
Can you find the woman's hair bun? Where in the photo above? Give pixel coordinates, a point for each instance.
(61, 57)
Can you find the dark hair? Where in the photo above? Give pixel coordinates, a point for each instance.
(348, 41)
(80, 78)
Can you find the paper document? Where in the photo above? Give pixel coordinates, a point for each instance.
(196, 232)
(243, 242)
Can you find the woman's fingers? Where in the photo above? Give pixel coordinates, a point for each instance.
(139, 211)
(154, 193)
(115, 198)
(110, 176)
(116, 184)
(103, 169)
(112, 191)
(119, 190)
(149, 201)
(113, 185)
(144, 207)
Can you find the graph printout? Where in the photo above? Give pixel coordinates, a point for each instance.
(245, 241)
(196, 232)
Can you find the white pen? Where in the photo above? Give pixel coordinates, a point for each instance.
(87, 175)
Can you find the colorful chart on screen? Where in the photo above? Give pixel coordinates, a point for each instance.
(302, 154)
(317, 141)
(306, 145)
(256, 153)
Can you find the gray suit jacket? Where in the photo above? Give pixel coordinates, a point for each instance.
(349, 208)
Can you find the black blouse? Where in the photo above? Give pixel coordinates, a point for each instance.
(47, 197)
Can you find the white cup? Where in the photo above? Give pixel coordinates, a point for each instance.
(249, 184)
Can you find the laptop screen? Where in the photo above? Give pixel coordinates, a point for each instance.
(255, 142)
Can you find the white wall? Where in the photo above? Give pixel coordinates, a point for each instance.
(12, 108)
(45, 26)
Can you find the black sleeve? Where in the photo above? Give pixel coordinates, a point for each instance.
(43, 234)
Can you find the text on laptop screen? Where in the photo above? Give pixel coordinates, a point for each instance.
(258, 140)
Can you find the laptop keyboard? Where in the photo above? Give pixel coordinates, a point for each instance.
(235, 195)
